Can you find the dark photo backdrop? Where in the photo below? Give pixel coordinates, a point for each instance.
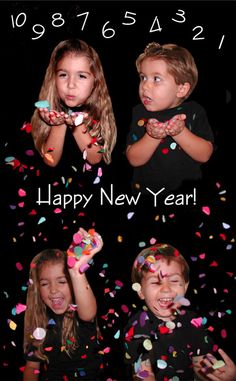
(204, 232)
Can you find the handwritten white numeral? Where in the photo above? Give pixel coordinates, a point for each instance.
(181, 14)
(17, 23)
(200, 28)
(85, 20)
(40, 32)
(57, 20)
(128, 16)
(108, 32)
(158, 29)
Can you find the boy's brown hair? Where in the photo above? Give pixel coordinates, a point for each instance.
(180, 62)
(150, 256)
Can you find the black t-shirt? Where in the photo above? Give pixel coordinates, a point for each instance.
(175, 346)
(84, 363)
(169, 166)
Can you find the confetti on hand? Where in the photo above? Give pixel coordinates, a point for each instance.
(83, 247)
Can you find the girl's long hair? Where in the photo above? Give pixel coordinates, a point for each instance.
(36, 315)
(98, 105)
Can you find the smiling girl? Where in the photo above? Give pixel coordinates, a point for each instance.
(60, 331)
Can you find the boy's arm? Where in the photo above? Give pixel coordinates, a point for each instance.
(196, 147)
(31, 371)
(141, 152)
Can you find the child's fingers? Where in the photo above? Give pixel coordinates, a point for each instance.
(225, 357)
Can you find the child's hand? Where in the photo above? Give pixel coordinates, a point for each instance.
(75, 118)
(82, 249)
(52, 118)
(218, 370)
(175, 125)
(156, 129)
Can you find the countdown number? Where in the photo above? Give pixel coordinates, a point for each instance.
(107, 29)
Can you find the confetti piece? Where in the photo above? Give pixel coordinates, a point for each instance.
(147, 344)
(41, 220)
(19, 266)
(206, 210)
(218, 364)
(161, 364)
(20, 308)
(42, 104)
(197, 322)
(39, 333)
(182, 300)
(79, 119)
(117, 334)
(223, 333)
(12, 325)
(21, 192)
(136, 287)
(130, 215)
(84, 268)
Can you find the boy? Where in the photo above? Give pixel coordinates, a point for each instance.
(162, 341)
(169, 139)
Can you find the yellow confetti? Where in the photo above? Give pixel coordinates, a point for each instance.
(12, 325)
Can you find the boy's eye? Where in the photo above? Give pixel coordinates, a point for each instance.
(142, 77)
(157, 79)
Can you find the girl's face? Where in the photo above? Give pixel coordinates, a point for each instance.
(160, 288)
(54, 288)
(158, 89)
(74, 80)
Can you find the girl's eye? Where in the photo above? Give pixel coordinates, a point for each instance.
(82, 76)
(62, 75)
(142, 77)
(43, 284)
(157, 79)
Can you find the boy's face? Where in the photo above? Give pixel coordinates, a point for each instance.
(160, 288)
(158, 89)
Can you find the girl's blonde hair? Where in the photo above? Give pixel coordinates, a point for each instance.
(180, 62)
(36, 312)
(98, 105)
(152, 255)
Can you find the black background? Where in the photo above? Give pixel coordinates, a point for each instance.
(193, 232)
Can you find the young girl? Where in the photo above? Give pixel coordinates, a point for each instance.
(60, 333)
(74, 96)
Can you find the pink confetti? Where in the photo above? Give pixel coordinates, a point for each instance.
(21, 192)
(202, 256)
(20, 308)
(223, 333)
(124, 308)
(29, 152)
(57, 210)
(19, 266)
(71, 261)
(106, 350)
(197, 322)
(21, 204)
(153, 241)
(99, 172)
(206, 210)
